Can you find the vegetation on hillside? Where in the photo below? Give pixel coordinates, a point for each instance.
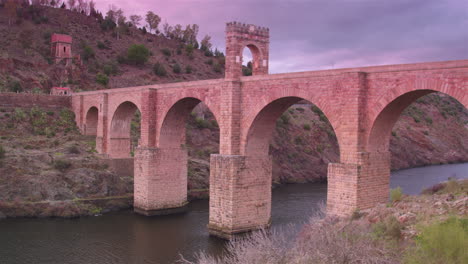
(115, 50)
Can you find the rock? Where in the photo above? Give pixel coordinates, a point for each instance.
(406, 217)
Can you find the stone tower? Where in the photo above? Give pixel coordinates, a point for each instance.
(61, 47)
(239, 36)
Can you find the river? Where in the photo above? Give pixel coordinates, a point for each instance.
(125, 237)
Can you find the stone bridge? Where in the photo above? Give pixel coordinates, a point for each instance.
(362, 105)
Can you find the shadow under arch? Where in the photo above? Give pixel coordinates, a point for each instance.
(379, 135)
(91, 121)
(261, 129)
(173, 127)
(119, 132)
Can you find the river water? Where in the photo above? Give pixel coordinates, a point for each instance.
(125, 237)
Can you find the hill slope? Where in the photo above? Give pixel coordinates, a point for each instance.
(25, 55)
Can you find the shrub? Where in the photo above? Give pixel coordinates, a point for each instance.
(202, 123)
(15, 86)
(209, 62)
(188, 69)
(396, 194)
(137, 54)
(88, 53)
(62, 165)
(285, 118)
(444, 242)
(189, 49)
(2, 152)
(110, 68)
(306, 127)
(388, 228)
(102, 79)
(176, 68)
(217, 67)
(208, 53)
(159, 69)
(166, 52)
(74, 150)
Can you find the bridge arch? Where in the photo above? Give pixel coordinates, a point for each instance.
(172, 128)
(261, 120)
(119, 132)
(393, 103)
(91, 121)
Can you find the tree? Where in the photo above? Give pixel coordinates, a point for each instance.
(11, 6)
(83, 6)
(136, 20)
(178, 32)
(206, 43)
(137, 54)
(153, 20)
(167, 30)
(92, 8)
(121, 19)
(71, 4)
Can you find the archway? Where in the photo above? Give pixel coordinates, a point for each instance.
(305, 134)
(419, 128)
(120, 141)
(163, 188)
(91, 124)
(250, 60)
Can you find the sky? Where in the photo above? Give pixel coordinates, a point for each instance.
(313, 35)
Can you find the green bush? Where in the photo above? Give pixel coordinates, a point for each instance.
(110, 68)
(388, 228)
(285, 118)
(2, 152)
(166, 52)
(176, 68)
(73, 150)
(14, 86)
(306, 127)
(445, 242)
(137, 54)
(159, 69)
(188, 69)
(62, 165)
(189, 49)
(217, 67)
(202, 123)
(102, 79)
(396, 194)
(88, 53)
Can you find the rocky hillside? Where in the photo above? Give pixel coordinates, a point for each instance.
(26, 63)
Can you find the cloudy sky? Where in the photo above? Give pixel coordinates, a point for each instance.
(313, 34)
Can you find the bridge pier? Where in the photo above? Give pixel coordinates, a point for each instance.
(160, 181)
(240, 194)
(360, 183)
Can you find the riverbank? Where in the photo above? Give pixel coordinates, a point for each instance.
(427, 228)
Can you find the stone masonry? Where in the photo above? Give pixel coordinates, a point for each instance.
(362, 105)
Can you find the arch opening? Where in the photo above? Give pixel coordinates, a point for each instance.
(250, 59)
(422, 127)
(190, 125)
(289, 140)
(125, 124)
(91, 124)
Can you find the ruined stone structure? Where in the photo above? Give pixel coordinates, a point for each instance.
(362, 105)
(61, 47)
(65, 91)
